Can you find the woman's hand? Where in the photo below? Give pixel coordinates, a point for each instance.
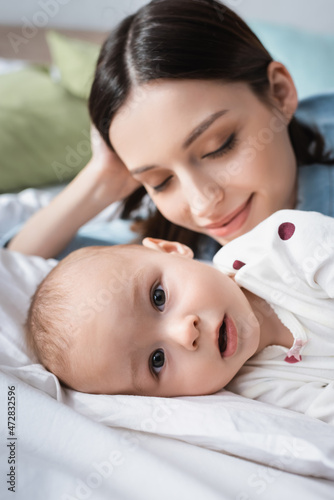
(116, 182)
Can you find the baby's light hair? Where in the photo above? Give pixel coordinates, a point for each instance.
(50, 328)
(52, 325)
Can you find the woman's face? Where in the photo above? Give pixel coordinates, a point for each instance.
(212, 156)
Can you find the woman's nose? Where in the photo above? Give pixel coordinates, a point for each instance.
(204, 197)
(186, 332)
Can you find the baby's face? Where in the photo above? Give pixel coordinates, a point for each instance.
(159, 324)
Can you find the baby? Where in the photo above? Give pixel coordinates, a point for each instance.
(150, 320)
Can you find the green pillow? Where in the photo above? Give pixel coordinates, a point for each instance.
(44, 135)
(76, 61)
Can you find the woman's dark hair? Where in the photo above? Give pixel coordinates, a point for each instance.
(184, 39)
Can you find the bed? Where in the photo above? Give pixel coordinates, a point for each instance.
(61, 444)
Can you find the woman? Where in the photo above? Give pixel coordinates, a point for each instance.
(193, 108)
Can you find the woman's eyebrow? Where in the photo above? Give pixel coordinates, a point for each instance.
(202, 127)
(199, 130)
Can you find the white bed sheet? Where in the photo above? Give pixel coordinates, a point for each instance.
(62, 455)
(16, 208)
(72, 445)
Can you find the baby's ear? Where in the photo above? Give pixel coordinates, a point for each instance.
(168, 247)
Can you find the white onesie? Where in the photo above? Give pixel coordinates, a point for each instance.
(288, 260)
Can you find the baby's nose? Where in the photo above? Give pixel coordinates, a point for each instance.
(186, 332)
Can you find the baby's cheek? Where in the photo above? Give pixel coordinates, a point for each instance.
(210, 379)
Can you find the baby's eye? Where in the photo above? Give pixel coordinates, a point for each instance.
(157, 361)
(159, 298)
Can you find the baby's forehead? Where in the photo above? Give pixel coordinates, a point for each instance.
(124, 255)
(120, 253)
(118, 260)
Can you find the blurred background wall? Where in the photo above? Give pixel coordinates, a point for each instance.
(313, 15)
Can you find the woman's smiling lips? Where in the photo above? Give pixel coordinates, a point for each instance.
(231, 223)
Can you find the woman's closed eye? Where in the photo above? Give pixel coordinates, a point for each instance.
(225, 148)
(162, 185)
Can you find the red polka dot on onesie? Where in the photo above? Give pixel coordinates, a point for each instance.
(238, 264)
(286, 230)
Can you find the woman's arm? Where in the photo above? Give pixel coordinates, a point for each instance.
(104, 180)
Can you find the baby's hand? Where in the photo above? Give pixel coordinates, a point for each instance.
(116, 181)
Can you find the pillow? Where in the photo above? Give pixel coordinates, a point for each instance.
(44, 131)
(75, 60)
(308, 56)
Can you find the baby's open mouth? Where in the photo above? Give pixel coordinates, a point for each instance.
(222, 339)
